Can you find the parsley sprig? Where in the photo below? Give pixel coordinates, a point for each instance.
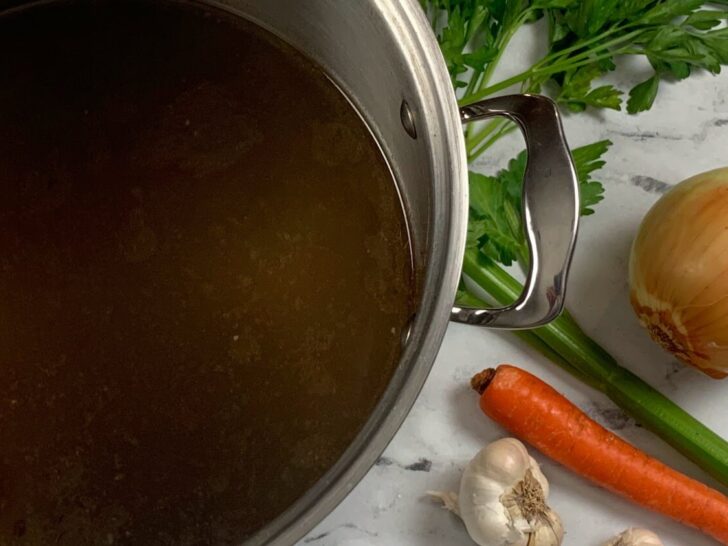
(585, 40)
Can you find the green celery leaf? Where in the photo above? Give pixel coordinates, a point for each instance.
(590, 193)
(501, 246)
(462, 293)
(465, 298)
(588, 159)
(512, 177)
(476, 232)
(490, 223)
(486, 196)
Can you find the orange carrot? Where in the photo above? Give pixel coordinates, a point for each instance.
(536, 413)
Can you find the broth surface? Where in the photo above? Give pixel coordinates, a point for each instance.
(204, 275)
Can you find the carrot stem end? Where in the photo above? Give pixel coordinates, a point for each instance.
(480, 381)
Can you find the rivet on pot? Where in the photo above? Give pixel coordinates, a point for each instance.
(408, 119)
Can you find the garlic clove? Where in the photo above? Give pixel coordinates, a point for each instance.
(635, 537)
(548, 532)
(502, 499)
(504, 460)
(484, 515)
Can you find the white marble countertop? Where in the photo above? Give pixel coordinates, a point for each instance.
(685, 133)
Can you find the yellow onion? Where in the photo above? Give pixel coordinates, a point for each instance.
(678, 272)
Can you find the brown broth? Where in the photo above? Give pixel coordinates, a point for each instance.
(204, 275)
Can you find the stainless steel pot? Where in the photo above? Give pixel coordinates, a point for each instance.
(384, 57)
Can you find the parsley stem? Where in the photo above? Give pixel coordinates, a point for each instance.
(501, 45)
(505, 128)
(482, 77)
(570, 65)
(604, 48)
(478, 137)
(500, 86)
(524, 76)
(548, 69)
(565, 338)
(560, 54)
(474, 82)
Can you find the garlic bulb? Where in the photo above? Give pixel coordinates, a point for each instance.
(677, 272)
(502, 499)
(635, 537)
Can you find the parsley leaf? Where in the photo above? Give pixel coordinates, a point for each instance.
(704, 19)
(577, 92)
(587, 17)
(643, 95)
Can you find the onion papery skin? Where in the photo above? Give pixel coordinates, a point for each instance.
(678, 272)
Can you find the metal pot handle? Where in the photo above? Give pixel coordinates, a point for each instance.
(550, 211)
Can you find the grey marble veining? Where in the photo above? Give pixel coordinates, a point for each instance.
(685, 133)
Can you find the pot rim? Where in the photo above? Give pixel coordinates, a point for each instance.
(441, 278)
